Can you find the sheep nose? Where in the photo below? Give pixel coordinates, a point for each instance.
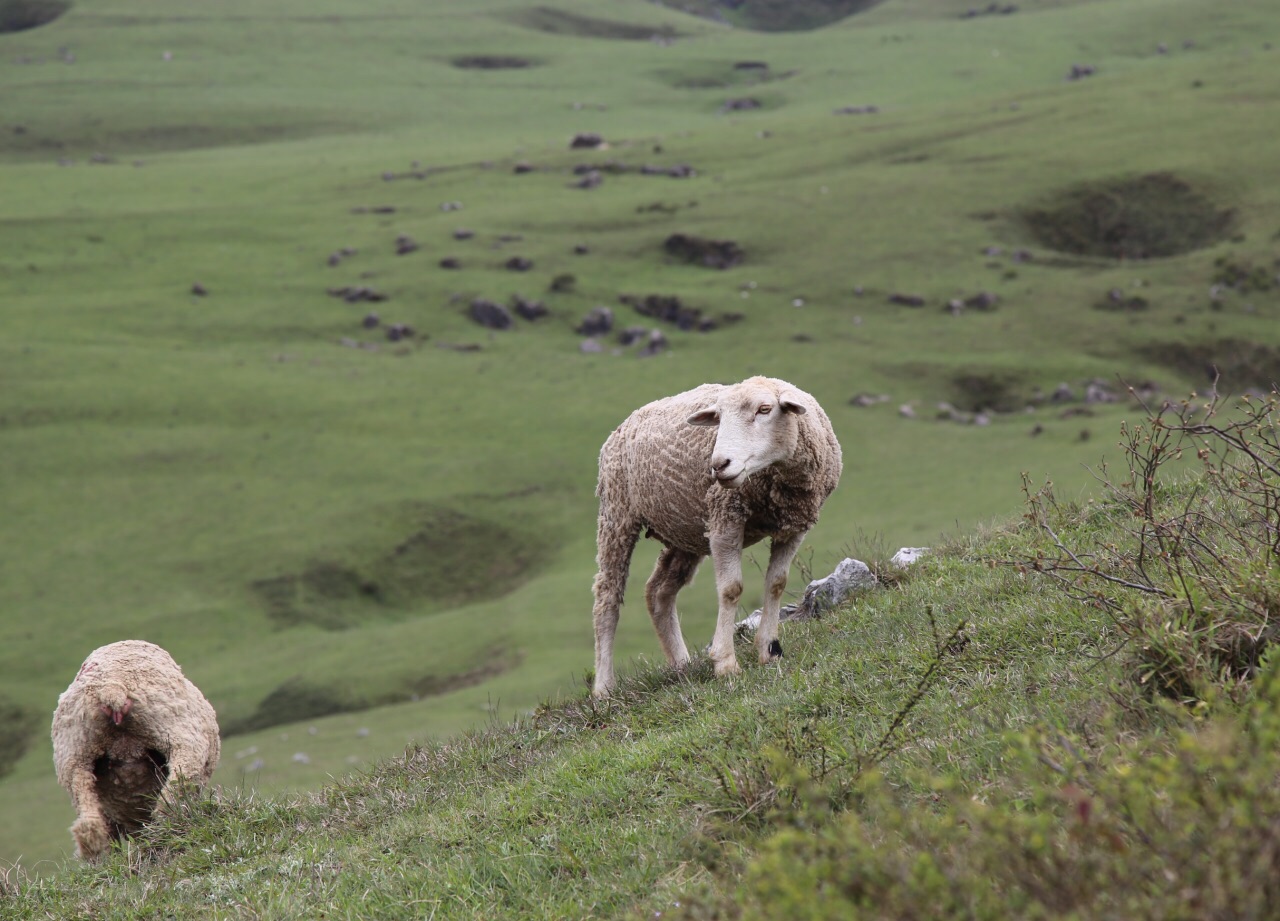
(718, 466)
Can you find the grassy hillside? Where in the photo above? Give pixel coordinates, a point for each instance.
(227, 474)
(994, 731)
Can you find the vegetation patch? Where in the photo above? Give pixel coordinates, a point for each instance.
(562, 22)
(775, 15)
(451, 559)
(492, 62)
(17, 728)
(299, 699)
(999, 391)
(1240, 363)
(1150, 216)
(21, 15)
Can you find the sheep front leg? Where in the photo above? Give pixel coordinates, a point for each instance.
(726, 554)
(781, 552)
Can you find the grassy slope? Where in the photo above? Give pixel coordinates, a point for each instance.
(170, 450)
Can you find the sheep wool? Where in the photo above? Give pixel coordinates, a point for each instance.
(709, 472)
(128, 732)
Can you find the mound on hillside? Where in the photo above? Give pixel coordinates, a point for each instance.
(21, 15)
(774, 15)
(17, 729)
(1147, 217)
(562, 22)
(1239, 363)
(492, 62)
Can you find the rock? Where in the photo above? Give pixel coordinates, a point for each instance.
(199, 290)
(597, 322)
(563, 283)
(529, 310)
(857, 110)
(449, 262)
(1098, 392)
(450, 206)
(586, 140)
(821, 595)
(742, 104)
(490, 314)
(681, 171)
(632, 334)
(908, 555)
(398, 331)
(463, 233)
(1080, 71)
(581, 249)
(666, 307)
(1062, 393)
(715, 254)
(1022, 255)
(750, 65)
(983, 300)
(370, 321)
(518, 264)
(522, 167)
(657, 342)
(354, 295)
(867, 399)
(590, 346)
(405, 245)
(907, 300)
(590, 180)
(955, 307)
(907, 411)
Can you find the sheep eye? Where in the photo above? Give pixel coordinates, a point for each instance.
(764, 410)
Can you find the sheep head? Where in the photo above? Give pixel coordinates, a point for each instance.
(756, 428)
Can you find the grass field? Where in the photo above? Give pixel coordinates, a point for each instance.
(220, 473)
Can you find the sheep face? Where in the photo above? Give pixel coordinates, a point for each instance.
(757, 428)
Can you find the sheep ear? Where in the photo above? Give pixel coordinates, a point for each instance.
(708, 416)
(790, 403)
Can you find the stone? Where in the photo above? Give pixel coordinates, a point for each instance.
(490, 314)
(822, 595)
(597, 322)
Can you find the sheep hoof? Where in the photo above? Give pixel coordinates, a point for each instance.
(729, 667)
(92, 837)
(774, 651)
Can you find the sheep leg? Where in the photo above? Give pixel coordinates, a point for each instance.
(674, 570)
(186, 771)
(781, 552)
(615, 542)
(726, 554)
(90, 831)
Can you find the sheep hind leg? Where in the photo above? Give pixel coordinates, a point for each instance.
(615, 543)
(674, 570)
(781, 554)
(91, 831)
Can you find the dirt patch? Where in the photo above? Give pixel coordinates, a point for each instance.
(991, 391)
(714, 254)
(492, 62)
(297, 699)
(21, 15)
(1242, 364)
(562, 22)
(17, 729)
(449, 560)
(1150, 216)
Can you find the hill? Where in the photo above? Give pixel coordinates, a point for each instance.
(353, 543)
(1046, 720)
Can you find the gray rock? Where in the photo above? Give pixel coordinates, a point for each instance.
(822, 595)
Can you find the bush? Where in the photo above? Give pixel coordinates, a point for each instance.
(1185, 829)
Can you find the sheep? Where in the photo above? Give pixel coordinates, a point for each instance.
(709, 471)
(128, 732)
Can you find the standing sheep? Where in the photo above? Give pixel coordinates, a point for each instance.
(709, 471)
(128, 731)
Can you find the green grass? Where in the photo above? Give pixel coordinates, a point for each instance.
(163, 456)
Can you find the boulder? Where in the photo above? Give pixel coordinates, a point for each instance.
(529, 310)
(597, 322)
(586, 140)
(490, 314)
(714, 254)
(822, 595)
(518, 264)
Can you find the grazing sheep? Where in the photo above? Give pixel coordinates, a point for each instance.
(710, 471)
(127, 732)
